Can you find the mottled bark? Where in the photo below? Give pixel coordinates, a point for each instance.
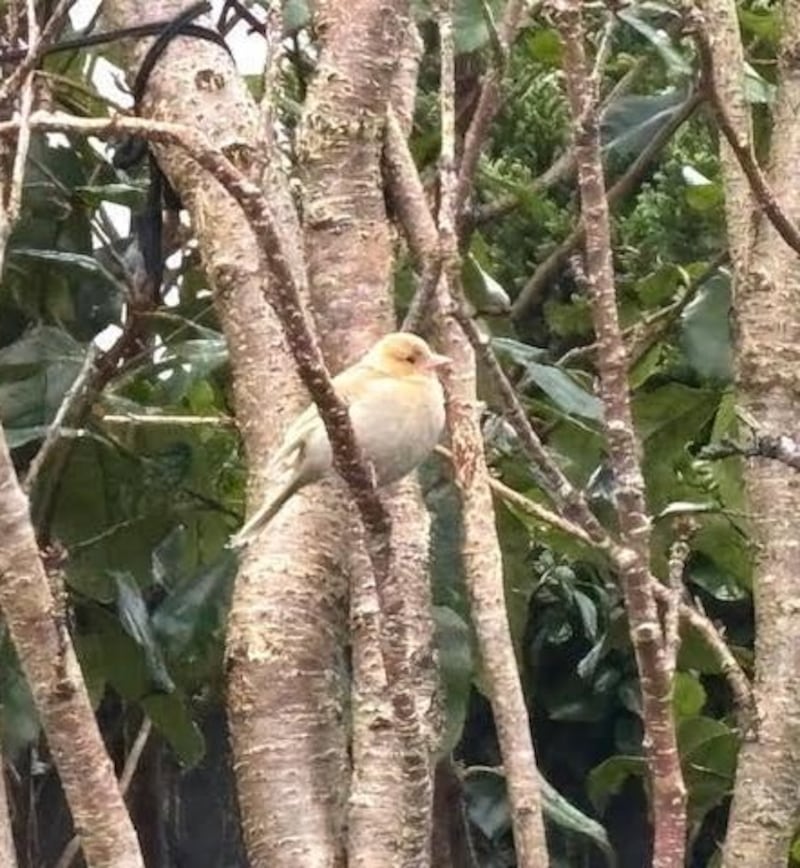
(8, 853)
(349, 249)
(722, 26)
(766, 808)
(480, 548)
(647, 636)
(48, 660)
(288, 616)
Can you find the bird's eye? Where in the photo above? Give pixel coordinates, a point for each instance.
(411, 358)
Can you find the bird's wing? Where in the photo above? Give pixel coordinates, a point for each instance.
(351, 384)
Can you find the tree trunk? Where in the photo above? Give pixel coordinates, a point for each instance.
(765, 808)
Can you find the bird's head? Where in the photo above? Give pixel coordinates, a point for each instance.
(402, 354)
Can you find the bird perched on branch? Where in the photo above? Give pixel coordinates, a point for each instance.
(396, 407)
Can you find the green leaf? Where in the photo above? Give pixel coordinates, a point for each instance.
(705, 331)
(456, 666)
(608, 778)
(688, 695)
(170, 715)
(568, 817)
(67, 259)
(757, 90)
(630, 122)
(657, 37)
(482, 290)
(565, 392)
(544, 45)
(35, 373)
(136, 623)
(296, 14)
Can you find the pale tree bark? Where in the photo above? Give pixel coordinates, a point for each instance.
(286, 672)
(645, 628)
(8, 853)
(722, 26)
(48, 660)
(766, 808)
(288, 624)
(350, 258)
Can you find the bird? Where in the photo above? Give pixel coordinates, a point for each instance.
(396, 406)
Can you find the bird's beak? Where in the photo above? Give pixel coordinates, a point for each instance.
(437, 360)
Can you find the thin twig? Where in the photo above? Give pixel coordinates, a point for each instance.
(480, 547)
(37, 46)
(678, 556)
(784, 449)
(131, 764)
(165, 419)
(488, 104)
(71, 399)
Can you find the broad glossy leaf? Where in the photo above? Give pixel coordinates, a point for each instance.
(630, 122)
(135, 620)
(35, 373)
(635, 17)
(608, 778)
(566, 816)
(688, 695)
(705, 331)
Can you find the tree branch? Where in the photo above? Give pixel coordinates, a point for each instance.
(669, 792)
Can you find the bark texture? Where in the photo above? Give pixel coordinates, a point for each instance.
(722, 26)
(48, 660)
(8, 853)
(647, 635)
(766, 808)
(350, 257)
(288, 617)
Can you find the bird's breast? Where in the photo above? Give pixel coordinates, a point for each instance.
(398, 424)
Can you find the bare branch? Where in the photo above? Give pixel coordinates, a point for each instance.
(37, 46)
(129, 770)
(481, 550)
(669, 792)
(72, 398)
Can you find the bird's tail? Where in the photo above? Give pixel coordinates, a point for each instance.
(262, 516)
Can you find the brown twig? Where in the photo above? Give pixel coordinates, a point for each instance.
(11, 192)
(678, 556)
(72, 398)
(784, 449)
(37, 46)
(669, 792)
(488, 103)
(547, 271)
(742, 151)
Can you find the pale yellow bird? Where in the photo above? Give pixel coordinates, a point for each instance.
(396, 407)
